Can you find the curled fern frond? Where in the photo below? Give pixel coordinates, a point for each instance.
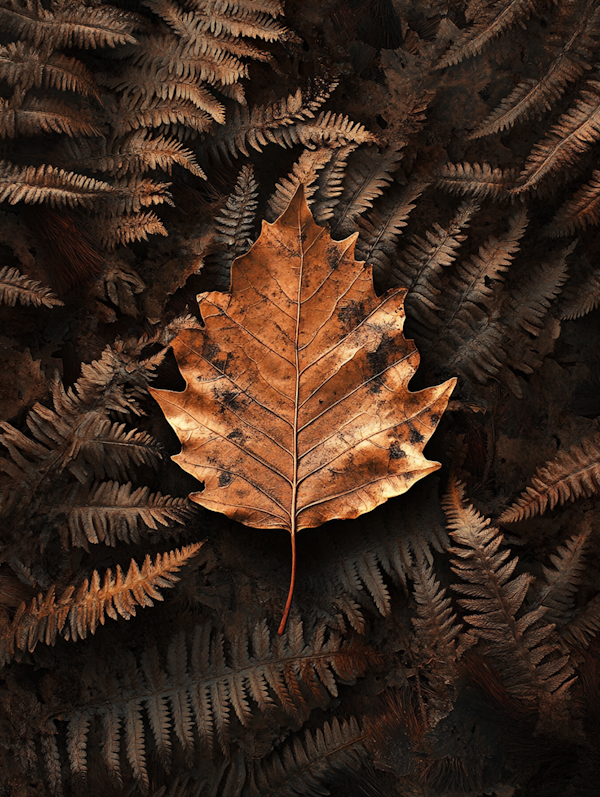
(579, 211)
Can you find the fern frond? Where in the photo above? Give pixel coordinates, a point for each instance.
(141, 87)
(221, 17)
(582, 297)
(132, 194)
(421, 262)
(568, 476)
(304, 172)
(114, 231)
(379, 233)
(581, 629)
(79, 610)
(266, 124)
(368, 174)
(44, 115)
(236, 219)
(474, 280)
(359, 556)
(57, 187)
(111, 512)
(491, 21)
(534, 96)
(305, 766)
(528, 660)
(135, 153)
(578, 211)
(24, 66)
(564, 578)
(329, 183)
(479, 181)
(435, 624)
(69, 25)
(160, 113)
(14, 287)
(203, 687)
(573, 134)
(531, 298)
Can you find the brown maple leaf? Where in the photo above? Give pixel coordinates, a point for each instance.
(297, 408)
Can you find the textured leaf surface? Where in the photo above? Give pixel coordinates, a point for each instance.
(297, 408)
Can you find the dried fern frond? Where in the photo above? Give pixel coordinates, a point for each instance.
(266, 124)
(421, 262)
(57, 187)
(435, 624)
(165, 114)
(15, 287)
(579, 631)
(304, 172)
(79, 610)
(528, 659)
(114, 231)
(568, 476)
(534, 96)
(564, 578)
(329, 182)
(573, 134)
(490, 21)
(379, 233)
(110, 512)
(581, 298)
(69, 24)
(368, 174)
(578, 211)
(37, 115)
(25, 66)
(135, 153)
(203, 688)
(306, 766)
(360, 556)
(221, 17)
(477, 180)
(131, 194)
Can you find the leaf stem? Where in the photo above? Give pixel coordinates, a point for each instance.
(288, 603)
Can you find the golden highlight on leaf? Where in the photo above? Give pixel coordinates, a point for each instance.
(297, 408)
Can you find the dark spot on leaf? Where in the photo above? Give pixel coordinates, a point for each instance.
(230, 399)
(396, 451)
(435, 419)
(350, 314)
(210, 351)
(236, 436)
(224, 479)
(415, 437)
(379, 359)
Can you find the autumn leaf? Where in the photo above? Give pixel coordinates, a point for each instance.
(297, 409)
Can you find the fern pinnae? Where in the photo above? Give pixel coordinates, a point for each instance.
(422, 260)
(520, 647)
(79, 610)
(581, 298)
(379, 233)
(304, 172)
(568, 476)
(491, 21)
(25, 66)
(15, 287)
(534, 96)
(367, 175)
(57, 187)
(563, 579)
(579, 211)
(477, 180)
(307, 765)
(576, 130)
